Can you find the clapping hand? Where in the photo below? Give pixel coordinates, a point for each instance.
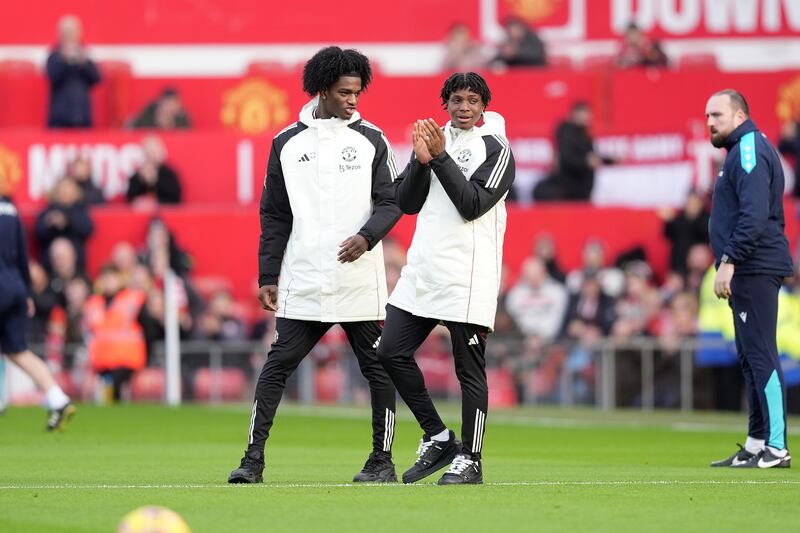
(420, 146)
(433, 135)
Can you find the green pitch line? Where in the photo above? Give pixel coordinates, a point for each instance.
(545, 470)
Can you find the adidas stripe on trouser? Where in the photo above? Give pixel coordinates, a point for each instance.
(754, 301)
(403, 334)
(295, 339)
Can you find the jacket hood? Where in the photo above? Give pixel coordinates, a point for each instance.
(307, 117)
(493, 124)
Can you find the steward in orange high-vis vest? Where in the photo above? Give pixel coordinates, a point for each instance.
(116, 339)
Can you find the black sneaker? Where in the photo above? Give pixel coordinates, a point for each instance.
(379, 468)
(766, 459)
(739, 457)
(463, 471)
(249, 471)
(433, 456)
(57, 419)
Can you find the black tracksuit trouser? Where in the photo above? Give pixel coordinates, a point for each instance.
(294, 339)
(403, 334)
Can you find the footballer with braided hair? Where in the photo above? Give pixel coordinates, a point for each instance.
(327, 202)
(457, 182)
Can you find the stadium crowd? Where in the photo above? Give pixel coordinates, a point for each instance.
(551, 324)
(550, 328)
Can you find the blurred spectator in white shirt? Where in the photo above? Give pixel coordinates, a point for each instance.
(537, 303)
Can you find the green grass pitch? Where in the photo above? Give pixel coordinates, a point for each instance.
(544, 470)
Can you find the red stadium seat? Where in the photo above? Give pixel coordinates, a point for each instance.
(598, 62)
(23, 95)
(112, 96)
(328, 384)
(208, 285)
(559, 62)
(501, 387)
(438, 371)
(148, 385)
(697, 61)
(229, 384)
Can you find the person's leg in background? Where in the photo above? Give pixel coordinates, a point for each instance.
(13, 328)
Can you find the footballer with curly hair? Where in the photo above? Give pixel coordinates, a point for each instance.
(327, 202)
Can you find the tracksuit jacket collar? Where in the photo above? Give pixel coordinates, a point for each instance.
(307, 117)
(744, 128)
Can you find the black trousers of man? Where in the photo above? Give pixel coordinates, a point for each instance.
(403, 333)
(294, 339)
(754, 301)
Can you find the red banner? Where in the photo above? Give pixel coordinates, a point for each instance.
(240, 21)
(255, 21)
(711, 19)
(223, 168)
(214, 167)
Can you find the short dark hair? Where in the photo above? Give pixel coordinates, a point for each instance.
(737, 100)
(330, 64)
(466, 80)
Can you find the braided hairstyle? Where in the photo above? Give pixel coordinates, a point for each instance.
(331, 63)
(466, 80)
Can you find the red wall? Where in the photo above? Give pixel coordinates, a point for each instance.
(321, 21)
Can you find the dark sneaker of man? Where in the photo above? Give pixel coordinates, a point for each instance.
(433, 455)
(249, 471)
(739, 457)
(463, 471)
(57, 419)
(768, 458)
(379, 468)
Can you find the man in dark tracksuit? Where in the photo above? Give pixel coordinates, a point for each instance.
(752, 258)
(328, 200)
(15, 307)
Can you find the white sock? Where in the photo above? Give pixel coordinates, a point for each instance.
(55, 398)
(444, 436)
(778, 453)
(754, 445)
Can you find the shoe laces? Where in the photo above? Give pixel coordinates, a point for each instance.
(424, 446)
(374, 462)
(459, 464)
(744, 453)
(250, 462)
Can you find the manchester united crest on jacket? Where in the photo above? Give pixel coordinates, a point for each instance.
(456, 257)
(327, 180)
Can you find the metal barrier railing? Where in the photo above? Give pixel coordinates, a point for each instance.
(605, 355)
